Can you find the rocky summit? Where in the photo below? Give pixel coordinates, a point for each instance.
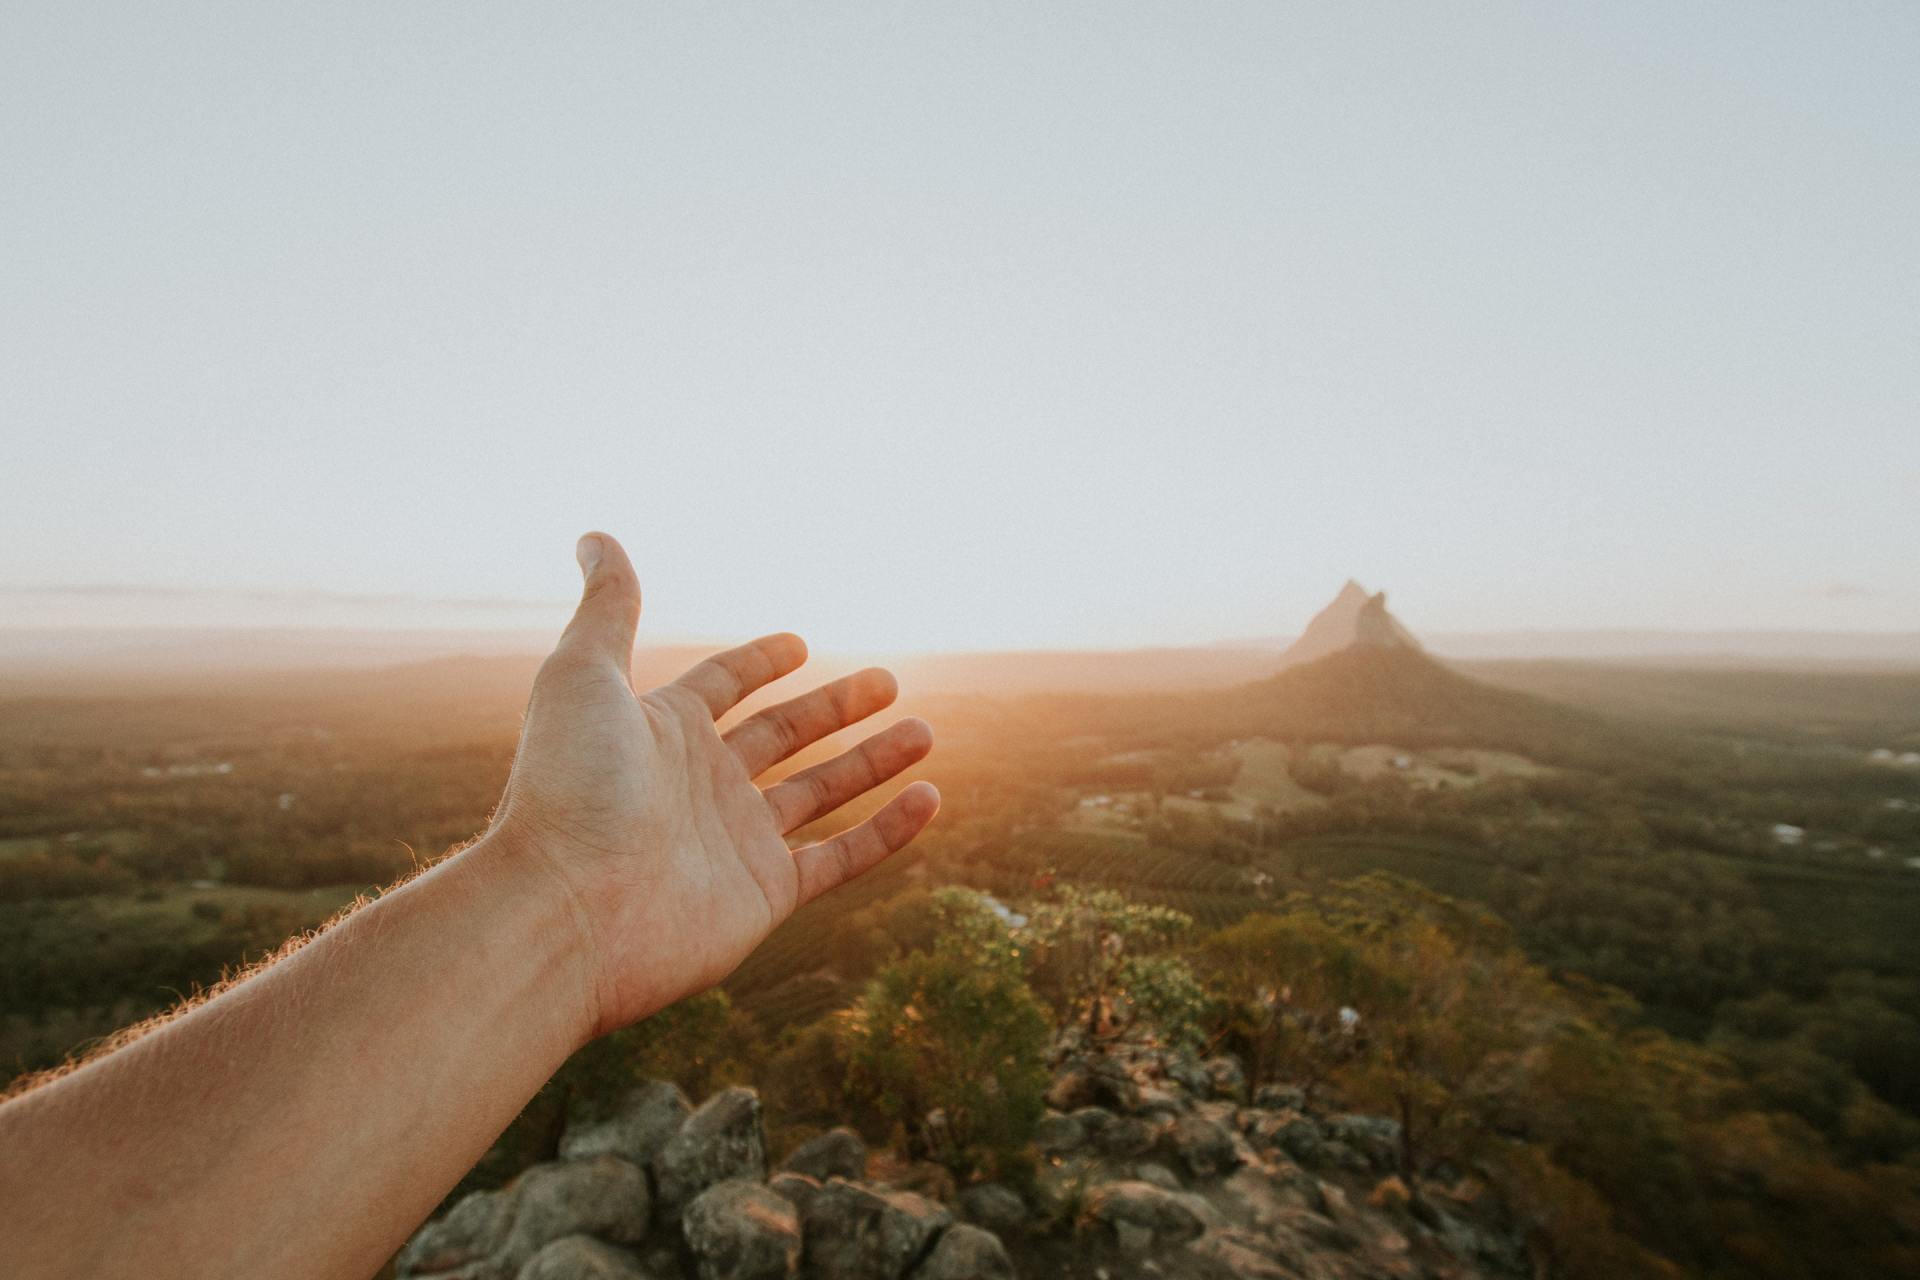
(1149, 1164)
(1354, 619)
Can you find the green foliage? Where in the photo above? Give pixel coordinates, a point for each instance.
(1630, 1153)
(953, 1031)
(1101, 960)
(1417, 1005)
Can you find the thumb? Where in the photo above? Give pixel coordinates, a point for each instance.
(604, 624)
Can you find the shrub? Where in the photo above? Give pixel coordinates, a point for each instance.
(950, 1045)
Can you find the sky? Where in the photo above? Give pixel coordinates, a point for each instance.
(963, 326)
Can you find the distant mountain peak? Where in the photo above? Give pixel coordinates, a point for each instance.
(1356, 618)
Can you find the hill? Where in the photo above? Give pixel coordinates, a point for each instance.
(1355, 617)
(1356, 695)
(1866, 708)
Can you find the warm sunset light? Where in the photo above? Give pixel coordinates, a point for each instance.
(1037, 331)
(960, 642)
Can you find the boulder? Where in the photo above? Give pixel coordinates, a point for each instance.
(928, 1178)
(603, 1196)
(1202, 1145)
(837, 1153)
(740, 1230)
(1057, 1134)
(468, 1232)
(1225, 1078)
(582, 1258)
(966, 1253)
(1155, 1100)
(1299, 1137)
(1280, 1097)
(798, 1188)
(994, 1207)
(1316, 1230)
(1117, 1137)
(1191, 1076)
(722, 1139)
(1138, 1216)
(1093, 1080)
(854, 1232)
(646, 1117)
(1336, 1154)
(1158, 1175)
(1236, 1255)
(1376, 1139)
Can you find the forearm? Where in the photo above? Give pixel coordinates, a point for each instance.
(305, 1121)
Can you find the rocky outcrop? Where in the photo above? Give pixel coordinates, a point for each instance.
(837, 1153)
(856, 1232)
(646, 1117)
(1158, 1165)
(723, 1139)
(966, 1253)
(740, 1230)
(1353, 619)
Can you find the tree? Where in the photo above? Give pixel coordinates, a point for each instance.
(1417, 1005)
(950, 1044)
(1107, 964)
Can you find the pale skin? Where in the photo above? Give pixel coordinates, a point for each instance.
(304, 1122)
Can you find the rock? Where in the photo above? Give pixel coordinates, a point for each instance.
(1158, 1175)
(602, 1196)
(1266, 1128)
(582, 1258)
(722, 1139)
(1300, 1137)
(1153, 1100)
(994, 1207)
(647, 1116)
(1117, 1137)
(1137, 1216)
(1191, 1076)
(798, 1188)
(966, 1253)
(1057, 1134)
(1201, 1144)
(1235, 1255)
(740, 1230)
(1320, 1232)
(837, 1153)
(854, 1232)
(1280, 1097)
(926, 1178)
(1338, 1155)
(1330, 1200)
(1376, 1139)
(1225, 1078)
(468, 1232)
(1093, 1080)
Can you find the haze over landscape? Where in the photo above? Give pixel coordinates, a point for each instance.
(1050, 331)
(1401, 521)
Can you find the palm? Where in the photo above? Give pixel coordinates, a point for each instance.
(653, 820)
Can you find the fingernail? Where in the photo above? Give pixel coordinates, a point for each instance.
(588, 554)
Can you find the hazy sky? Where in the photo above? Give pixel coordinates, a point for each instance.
(970, 325)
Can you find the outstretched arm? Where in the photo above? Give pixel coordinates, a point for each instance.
(305, 1120)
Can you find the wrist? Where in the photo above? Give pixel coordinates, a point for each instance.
(536, 931)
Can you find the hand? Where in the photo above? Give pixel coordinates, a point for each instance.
(647, 818)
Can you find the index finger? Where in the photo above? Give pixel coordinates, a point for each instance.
(724, 679)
